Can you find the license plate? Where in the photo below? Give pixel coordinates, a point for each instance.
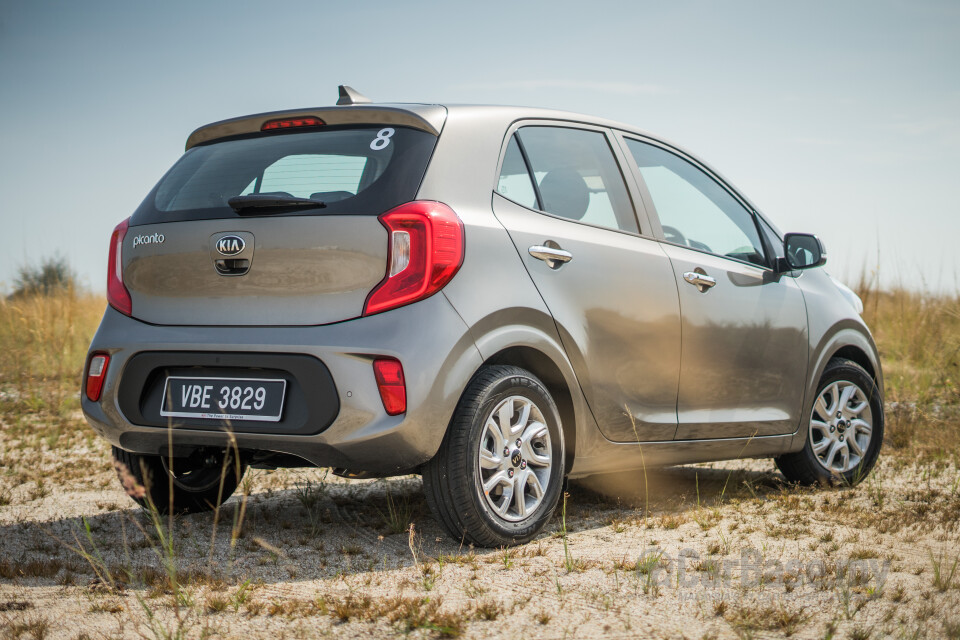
(224, 398)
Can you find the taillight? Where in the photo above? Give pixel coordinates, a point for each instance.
(117, 294)
(425, 251)
(393, 390)
(290, 123)
(96, 374)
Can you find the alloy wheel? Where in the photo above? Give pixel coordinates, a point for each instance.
(515, 458)
(841, 426)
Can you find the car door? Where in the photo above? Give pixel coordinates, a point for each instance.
(563, 200)
(744, 345)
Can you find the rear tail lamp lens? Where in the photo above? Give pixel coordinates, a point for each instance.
(426, 250)
(390, 382)
(96, 374)
(291, 123)
(117, 294)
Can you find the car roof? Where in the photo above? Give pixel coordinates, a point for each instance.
(517, 112)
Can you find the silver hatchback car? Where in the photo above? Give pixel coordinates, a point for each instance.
(496, 298)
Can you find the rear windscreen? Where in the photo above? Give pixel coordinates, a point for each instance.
(351, 169)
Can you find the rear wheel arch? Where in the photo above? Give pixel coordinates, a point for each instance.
(544, 368)
(481, 493)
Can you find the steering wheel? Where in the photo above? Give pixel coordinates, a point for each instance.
(672, 234)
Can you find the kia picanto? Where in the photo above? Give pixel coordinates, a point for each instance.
(496, 298)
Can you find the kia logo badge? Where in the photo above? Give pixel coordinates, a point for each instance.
(230, 245)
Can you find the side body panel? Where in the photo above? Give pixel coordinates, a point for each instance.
(745, 349)
(463, 174)
(616, 308)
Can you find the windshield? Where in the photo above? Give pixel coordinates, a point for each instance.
(350, 169)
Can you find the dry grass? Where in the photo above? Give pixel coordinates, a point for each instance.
(919, 340)
(43, 341)
(769, 618)
(918, 336)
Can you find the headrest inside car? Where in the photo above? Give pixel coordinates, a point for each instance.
(565, 193)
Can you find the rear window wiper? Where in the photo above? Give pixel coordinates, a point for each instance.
(262, 203)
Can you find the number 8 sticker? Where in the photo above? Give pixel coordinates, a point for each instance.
(382, 139)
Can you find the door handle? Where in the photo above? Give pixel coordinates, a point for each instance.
(555, 257)
(700, 280)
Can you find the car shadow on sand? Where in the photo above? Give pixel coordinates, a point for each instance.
(323, 530)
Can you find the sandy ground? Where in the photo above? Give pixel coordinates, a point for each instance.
(709, 551)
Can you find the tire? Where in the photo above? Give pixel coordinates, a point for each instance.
(201, 482)
(452, 480)
(826, 431)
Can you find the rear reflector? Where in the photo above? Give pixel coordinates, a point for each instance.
(117, 294)
(393, 390)
(290, 123)
(96, 374)
(426, 250)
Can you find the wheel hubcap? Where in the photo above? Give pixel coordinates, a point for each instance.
(515, 458)
(841, 426)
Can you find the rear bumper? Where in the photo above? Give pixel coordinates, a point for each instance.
(428, 337)
(310, 406)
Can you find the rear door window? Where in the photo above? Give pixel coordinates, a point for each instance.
(577, 176)
(353, 169)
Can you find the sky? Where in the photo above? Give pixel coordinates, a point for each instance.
(838, 118)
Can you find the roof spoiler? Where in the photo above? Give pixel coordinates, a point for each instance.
(429, 118)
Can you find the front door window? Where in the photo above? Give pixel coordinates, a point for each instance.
(694, 210)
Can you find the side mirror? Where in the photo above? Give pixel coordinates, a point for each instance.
(803, 251)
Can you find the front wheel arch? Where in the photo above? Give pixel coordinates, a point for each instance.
(858, 355)
(802, 466)
(843, 340)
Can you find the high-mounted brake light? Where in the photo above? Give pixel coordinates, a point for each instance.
(425, 251)
(96, 374)
(290, 123)
(117, 294)
(390, 382)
